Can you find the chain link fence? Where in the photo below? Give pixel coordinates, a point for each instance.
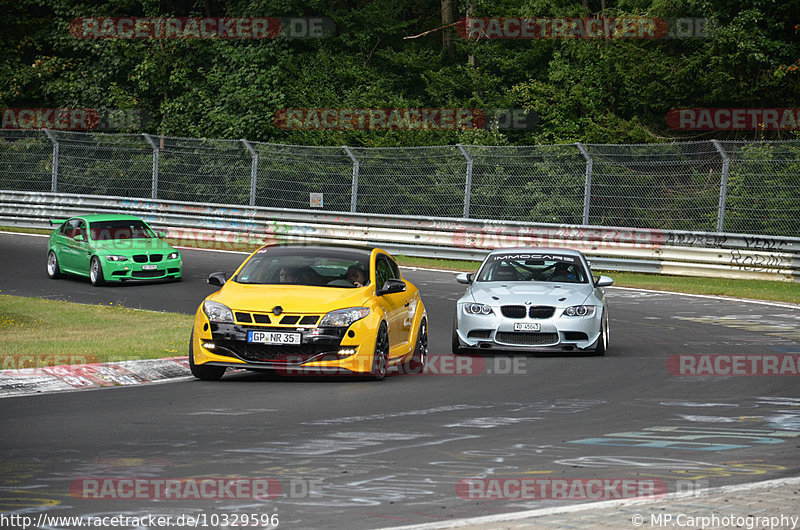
(675, 185)
(119, 164)
(543, 183)
(739, 187)
(763, 187)
(421, 181)
(26, 161)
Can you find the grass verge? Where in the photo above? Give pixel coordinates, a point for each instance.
(19, 230)
(35, 332)
(752, 289)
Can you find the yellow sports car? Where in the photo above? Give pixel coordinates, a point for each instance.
(302, 309)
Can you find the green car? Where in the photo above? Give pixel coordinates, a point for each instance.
(110, 248)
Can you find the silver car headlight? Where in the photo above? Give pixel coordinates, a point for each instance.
(173, 255)
(477, 309)
(342, 318)
(116, 258)
(217, 312)
(579, 311)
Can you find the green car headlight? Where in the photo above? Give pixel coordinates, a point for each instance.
(173, 255)
(116, 258)
(342, 318)
(217, 312)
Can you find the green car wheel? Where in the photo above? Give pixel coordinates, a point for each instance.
(53, 270)
(96, 272)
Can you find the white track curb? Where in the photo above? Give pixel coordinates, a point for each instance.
(49, 379)
(489, 520)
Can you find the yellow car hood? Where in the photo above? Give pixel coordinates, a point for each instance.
(292, 298)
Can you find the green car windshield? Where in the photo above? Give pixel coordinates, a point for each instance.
(122, 229)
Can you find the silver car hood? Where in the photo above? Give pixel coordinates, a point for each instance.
(534, 293)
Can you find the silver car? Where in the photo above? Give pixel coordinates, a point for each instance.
(532, 299)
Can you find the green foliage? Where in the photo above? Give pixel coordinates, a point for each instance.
(388, 54)
(589, 90)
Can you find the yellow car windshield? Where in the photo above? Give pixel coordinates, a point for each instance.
(305, 267)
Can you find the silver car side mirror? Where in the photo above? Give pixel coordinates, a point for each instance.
(604, 281)
(464, 277)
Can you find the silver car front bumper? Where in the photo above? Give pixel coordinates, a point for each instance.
(557, 333)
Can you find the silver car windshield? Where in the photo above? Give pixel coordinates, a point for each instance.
(518, 267)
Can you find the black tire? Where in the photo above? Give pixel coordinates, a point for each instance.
(96, 272)
(204, 372)
(53, 267)
(419, 359)
(457, 348)
(602, 341)
(380, 359)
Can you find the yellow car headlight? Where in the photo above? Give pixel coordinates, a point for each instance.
(217, 312)
(342, 318)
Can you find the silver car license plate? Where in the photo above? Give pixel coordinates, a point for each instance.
(527, 326)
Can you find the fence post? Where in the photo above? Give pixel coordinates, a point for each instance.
(155, 164)
(54, 179)
(587, 187)
(253, 170)
(468, 183)
(354, 186)
(723, 185)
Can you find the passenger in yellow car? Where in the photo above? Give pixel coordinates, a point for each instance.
(288, 275)
(355, 274)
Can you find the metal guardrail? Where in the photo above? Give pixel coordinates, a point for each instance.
(710, 254)
(709, 185)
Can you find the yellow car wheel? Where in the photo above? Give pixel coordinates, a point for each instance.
(416, 364)
(380, 359)
(206, 373)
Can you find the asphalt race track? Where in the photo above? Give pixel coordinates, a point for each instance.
(360, 454)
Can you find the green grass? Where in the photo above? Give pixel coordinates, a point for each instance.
(25, 230)
(35, 332)
(752, 289)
